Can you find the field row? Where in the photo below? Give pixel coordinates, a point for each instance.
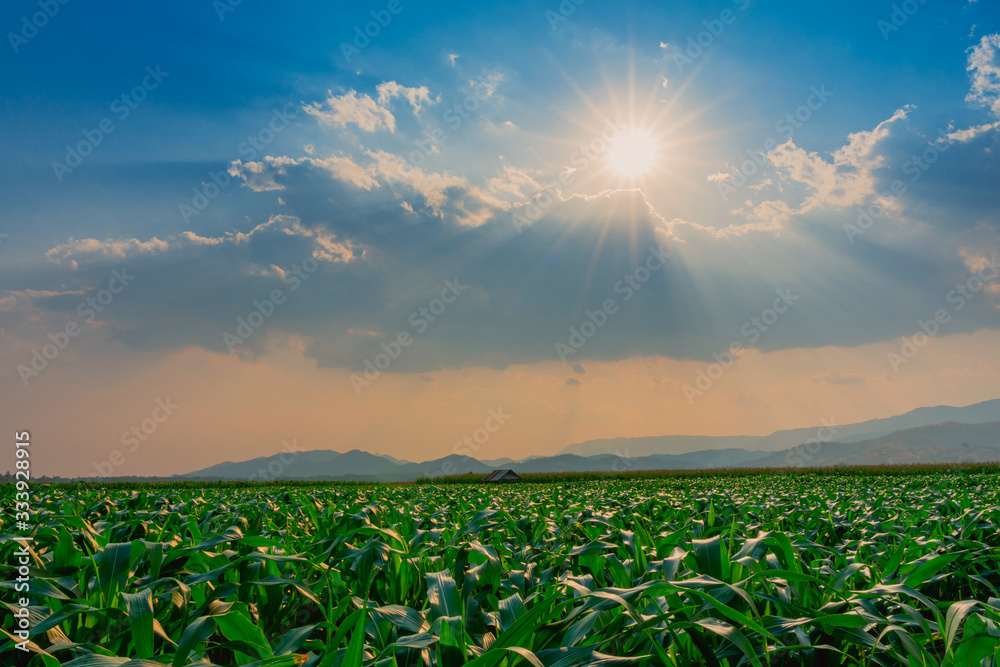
(803, 569)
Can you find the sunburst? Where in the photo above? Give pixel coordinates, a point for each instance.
(633, 153)
(629, 135)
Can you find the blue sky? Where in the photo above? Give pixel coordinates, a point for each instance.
(362, 166)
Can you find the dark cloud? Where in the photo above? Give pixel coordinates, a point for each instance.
(515, 304)
(384, 237)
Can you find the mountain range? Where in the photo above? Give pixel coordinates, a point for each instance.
(925, 435)
(987, 411)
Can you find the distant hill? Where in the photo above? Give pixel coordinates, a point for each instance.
(352, 465)
(987, 411)
(299, 465)
(970, 434)
(302, 463)
(454, 464)
(949, 442)
(717, 458)
(498, 463)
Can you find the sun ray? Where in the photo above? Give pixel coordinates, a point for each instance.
(656, 147)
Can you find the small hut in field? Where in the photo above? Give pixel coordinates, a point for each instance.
(504, 476)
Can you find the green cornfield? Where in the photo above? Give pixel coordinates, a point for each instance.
(754, 569)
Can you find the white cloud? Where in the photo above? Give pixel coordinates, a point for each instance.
(115, 249)
(326, 245)
(984, 70)
(260, 176)
(859, 150)
(71, 253)
(438, 194)
(971, 133)
(388, 90)
(366, 113)
(848, 179)
(442, 193)
(350, 107)
(514, 183)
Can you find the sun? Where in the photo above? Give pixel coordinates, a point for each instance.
(633, 153)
